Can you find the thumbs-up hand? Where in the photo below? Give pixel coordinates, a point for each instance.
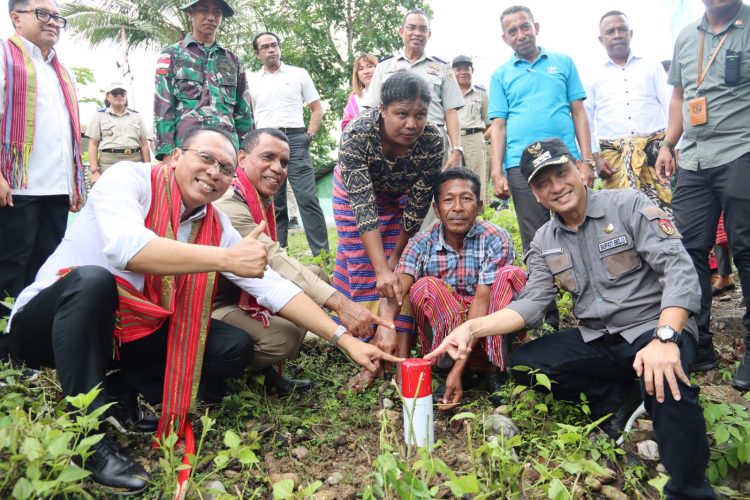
(249, 258)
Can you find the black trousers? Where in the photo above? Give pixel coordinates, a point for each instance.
(30, 231)
(68, 326)
(604, 372)
(699, 198)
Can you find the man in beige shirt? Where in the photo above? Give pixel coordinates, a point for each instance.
(261, 172)
(116, 133)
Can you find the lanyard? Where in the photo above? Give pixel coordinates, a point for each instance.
(703, 72)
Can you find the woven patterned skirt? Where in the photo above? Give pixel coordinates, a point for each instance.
(353, 275)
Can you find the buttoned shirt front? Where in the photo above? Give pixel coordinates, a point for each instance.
(51, 158)
(117, 131)
(110, 231)
(474, 113)
(623, 265)
(726, 135)
(534, 99)
(486, 248)
(279, 98)
(626, 101)
(440, 78)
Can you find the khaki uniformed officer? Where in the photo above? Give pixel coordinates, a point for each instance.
(634, 289)
(446, 96)
(116, 133)
(473, 121)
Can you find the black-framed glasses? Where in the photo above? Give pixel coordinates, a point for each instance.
(45, 17)
(411, 28)
(210, 161)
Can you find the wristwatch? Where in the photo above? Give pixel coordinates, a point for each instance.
(590, 161)
(666, 333)
(457, 148)
(340, 331)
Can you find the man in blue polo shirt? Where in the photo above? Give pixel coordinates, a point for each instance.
(534, 96)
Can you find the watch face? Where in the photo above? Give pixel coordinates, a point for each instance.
(665, 333)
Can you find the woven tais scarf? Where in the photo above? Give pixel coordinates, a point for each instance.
(19, 116)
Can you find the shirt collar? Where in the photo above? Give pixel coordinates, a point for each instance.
(738, 21)
(402, 55)
(631, 57)
(282, 69)
(112, 112)
(196, 216)
(441, 236)
(594, 210)
(35, 51)
(542, 55)
(189, 40)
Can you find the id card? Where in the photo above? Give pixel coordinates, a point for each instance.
(698, 111)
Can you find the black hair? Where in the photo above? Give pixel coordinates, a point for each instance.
(193, 133)
(252, 138)
(13, 4)
(456, 173)
(612, 13)
(417, 12)
(514, 9)
(404, 85)
(255, 40)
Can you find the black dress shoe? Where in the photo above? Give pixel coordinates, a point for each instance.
(495, 381)
(615, 425)
(706, 360)
(126, 417)
(112, 467)
(276, 384)
(741, 380)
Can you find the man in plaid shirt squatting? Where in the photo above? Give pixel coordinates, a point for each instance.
(459, 269)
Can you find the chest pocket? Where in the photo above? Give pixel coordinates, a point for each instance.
(189, 79)
(436, 85)
(619, 256)
(226, 72)
(561, 267)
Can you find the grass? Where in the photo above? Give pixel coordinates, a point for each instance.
(250, 446)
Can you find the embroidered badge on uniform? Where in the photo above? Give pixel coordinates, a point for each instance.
(666, 226)
(613, 243)
(162, 64)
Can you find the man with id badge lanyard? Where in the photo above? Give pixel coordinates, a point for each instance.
(710, 106)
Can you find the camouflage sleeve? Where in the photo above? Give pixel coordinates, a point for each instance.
(165, 120)
(243, 111)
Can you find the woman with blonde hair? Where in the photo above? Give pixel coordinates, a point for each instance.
(364, 67)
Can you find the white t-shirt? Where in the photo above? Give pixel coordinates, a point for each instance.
(279, 98)
(51, 160)
(110, 230)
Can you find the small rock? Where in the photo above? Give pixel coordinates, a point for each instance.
(593, 483)
(648, 450)
(500, 424)
(387, 403)
(613, 493)
(390, 415)
(660, 468)
(341, 440)
(231, 474)
(745, 487)
(326, 495)
(644, 425)
(501, 410)
(300, 453)
(212, 488)
(639, 435)
(280, 476)
(607, 476)
(334, 479)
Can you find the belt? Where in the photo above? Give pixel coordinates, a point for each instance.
(293, 130)
(469, 131)
(127, 151)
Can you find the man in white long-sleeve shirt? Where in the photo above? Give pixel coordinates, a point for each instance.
(136, 274)
(628, 106)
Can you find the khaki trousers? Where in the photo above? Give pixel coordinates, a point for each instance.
(106, 160)
(475, 159)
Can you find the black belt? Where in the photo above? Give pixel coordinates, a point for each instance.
(295, 130)
(469, 131)
(126, 151)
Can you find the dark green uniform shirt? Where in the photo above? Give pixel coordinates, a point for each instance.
(199, 85)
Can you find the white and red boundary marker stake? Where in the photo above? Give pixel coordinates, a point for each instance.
(416, 389)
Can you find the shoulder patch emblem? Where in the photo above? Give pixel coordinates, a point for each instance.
(666, 227)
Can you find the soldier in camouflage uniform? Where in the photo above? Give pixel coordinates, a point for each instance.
(200, 82)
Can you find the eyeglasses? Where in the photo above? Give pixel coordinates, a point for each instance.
(267, 46)
(411, 28)
(118, 93)
(210, 161)
(45, 17)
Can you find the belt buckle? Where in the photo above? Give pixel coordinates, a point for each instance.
(463, 132)
(127, 151)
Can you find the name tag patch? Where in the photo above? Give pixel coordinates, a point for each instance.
(613, 243)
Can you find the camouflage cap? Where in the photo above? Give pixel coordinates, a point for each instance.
(225, 7)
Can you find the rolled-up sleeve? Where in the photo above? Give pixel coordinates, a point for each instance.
(539, 291)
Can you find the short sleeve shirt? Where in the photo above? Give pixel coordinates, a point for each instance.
(117, 131)
(474, 112)
(534, 99)
(485, 250)
(279, 98)
(366, 173)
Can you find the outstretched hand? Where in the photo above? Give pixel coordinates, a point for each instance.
(367, 355)
(358, 320)
(457, 344)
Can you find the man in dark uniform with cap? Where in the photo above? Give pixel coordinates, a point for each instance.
(634, 289)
